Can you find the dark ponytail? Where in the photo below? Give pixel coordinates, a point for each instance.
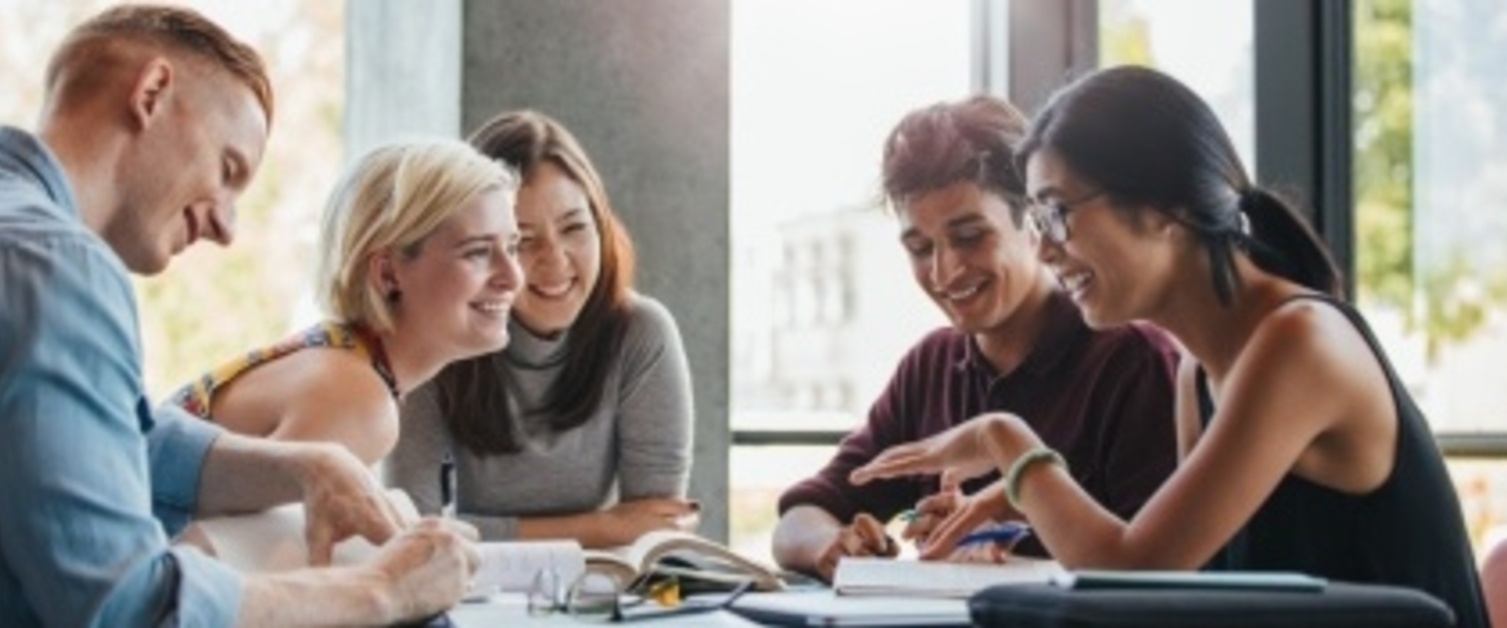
(1282, 243)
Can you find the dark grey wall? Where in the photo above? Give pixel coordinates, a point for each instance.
(644, 85)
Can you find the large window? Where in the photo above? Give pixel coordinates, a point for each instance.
(823, 300)
(1431, 220)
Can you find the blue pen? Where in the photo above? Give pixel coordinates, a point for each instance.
(1002, 534)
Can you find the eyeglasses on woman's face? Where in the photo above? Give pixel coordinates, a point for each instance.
(599, 597)
(1049, 216)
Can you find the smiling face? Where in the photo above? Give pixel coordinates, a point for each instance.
(561, 250)
(458, 289)
(184, 170)
(968, 254)
(1115, 262)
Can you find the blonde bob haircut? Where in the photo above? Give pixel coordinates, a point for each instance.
(390, 201)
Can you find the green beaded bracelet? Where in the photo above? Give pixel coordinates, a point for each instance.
(1023, 462)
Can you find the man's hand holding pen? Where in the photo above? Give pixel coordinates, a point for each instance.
(865, 536)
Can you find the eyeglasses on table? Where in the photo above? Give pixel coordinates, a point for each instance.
(599, 597)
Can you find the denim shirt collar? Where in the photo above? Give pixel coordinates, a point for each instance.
(24, 155)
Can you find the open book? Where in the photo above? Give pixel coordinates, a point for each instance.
(917, 578)
(273, 540)
(698, 562)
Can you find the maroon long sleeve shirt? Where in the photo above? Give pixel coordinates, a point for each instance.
(1104, 399)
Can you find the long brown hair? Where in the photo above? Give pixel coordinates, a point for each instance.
(472, 396)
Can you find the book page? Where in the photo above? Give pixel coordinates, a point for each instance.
(885, 576)
(613, 562)
(643, 551)
(512, 565)
(698, 558)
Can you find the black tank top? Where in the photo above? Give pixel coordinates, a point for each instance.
(1409, 531)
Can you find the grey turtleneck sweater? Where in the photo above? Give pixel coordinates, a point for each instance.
(636, 445)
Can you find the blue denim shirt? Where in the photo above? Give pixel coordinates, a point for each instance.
(91, 483)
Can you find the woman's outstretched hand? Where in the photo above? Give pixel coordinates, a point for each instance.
(971, 449)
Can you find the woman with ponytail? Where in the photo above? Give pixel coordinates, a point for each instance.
(1300, 449)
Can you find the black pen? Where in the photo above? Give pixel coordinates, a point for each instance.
(447, 486)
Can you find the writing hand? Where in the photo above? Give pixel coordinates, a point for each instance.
(427, 568)
(864, 537)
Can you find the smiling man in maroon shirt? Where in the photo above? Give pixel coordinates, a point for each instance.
(1102, 398)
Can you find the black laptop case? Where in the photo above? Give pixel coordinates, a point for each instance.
(1337, 604)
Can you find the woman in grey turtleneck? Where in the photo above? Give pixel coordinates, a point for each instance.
(581, 427)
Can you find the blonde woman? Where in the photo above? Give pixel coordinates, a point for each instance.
(417, 268)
